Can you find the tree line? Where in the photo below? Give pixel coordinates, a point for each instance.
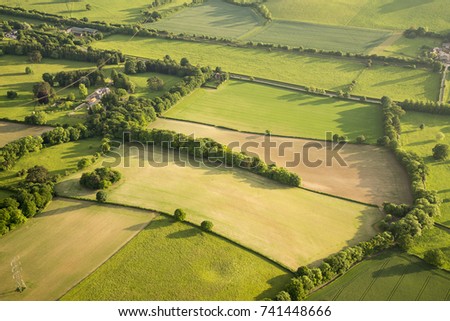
(430, 107)
(256, 4)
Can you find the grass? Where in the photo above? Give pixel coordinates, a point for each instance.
(181, 264)
(61, 246)
(13, 77)
(390, 276)
(447, 89)
(4, 194)
(407, 48)
(213, 18)
(307, 35)
(422, 142)
(257, 108)
(435, 238)
(113, 11)
(378, 14)
(254, 211)
(318, 71)
(141, 84)
(13, 131)
(57, 159)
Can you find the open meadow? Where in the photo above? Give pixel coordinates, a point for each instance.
(57, 159)
(254, 107)
(358, 179)
(406, 47)
(13, 77)
(390, 276)
(378, 14)
(422, 142)
(318, 71)
(434, 238)
(175, 261)
(244, 207)
(13, 131)
(65, 243)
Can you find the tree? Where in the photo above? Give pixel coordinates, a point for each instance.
(440, 151)
(207, 225)
(83, 91)
(83, 163)
(88, 7)
(39, 118)
(28, 70)
(71, 97)
(130, 66)
(180, 215)
(11, 94)
(47, 77)
(35, 56)
(155, 83)
(283, 296)
(43, 92)
(435, 257)
(184, 62)
(101, 196)
(360, 139)
(422, 126)
(440, 136)
(37, 174)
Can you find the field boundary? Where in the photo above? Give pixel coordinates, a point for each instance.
(168, 215)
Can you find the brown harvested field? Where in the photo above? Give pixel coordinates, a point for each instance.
(13, 131)
(370, 174)
(63, 245)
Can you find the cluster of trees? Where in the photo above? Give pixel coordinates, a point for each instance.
(155, 83)
(424, 32)
(257, 4)
(36, 118)
(11, 94)
(213, 151)
(65, 78)
(121, 80)
(26, 202)
(430, 107)
(43, 92)
(100, 178)
(306, 279)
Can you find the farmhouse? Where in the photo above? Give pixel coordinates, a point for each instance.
(81, 32)
(12, 34)
(443, 54)
(96, 96)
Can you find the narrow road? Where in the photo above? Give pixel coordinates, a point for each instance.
(443, 83)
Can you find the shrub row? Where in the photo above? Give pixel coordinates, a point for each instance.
(430, 107)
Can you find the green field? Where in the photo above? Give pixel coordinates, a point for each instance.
(390, 276)
(12, 131)
(422, 142)
(407, 48)
(57, 159)
(435, 238)
(141, 84)
(381, 14)
(114, 11)
(254, 211)
(13, 77)
(257, 108)
(318, 71)
(65, 243)
(447, 89)
(177, 262)
(307, 35)
(214, 18)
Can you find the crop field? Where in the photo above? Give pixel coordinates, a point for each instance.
(254, 107)
(407, 48)
(57, 159)
(13, 77)
(358, 179)
(13, 131)
(61, 246)
(213, 18)
(242, 206)
(307, 35)
(318, 71)
(181, 263)
(422, 142)
(378, 14)
(390, 276)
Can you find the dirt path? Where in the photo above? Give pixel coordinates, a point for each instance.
(443, 84)
(370, 174)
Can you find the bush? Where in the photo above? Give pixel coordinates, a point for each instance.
(11, 94)
(83, 163)
(440, 151)
(283, 296)
(100, 178)
(28, 70)
(360, 139)
(435, 257)
(39, 118)
(207, 225)
(37, 174)
(180, 215)
(101, 196)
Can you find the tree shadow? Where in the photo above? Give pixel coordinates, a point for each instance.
(277, 284)
(187, 233)
(399, 5)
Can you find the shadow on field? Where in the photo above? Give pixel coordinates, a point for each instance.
(277, 284)
(191, 232)
(399, 5)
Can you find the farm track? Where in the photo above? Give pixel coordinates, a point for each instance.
(373, 281)
(443, 84)
(422, 289)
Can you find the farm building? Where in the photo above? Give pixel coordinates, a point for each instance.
(81, 32)
(96, 96)
(12, 34)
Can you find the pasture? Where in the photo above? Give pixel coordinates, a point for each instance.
(254, 211)
(213, 18)
(422, 142)
(307, 35)
(13, 131)
(377, 14)
(319, 71)
(254, 107)
(390, 276)
(65, 243)
(57, 159)
(434, 238)
(13, 77)
(358, 179)
(142, 89)
(177, 262)
(407, 48)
